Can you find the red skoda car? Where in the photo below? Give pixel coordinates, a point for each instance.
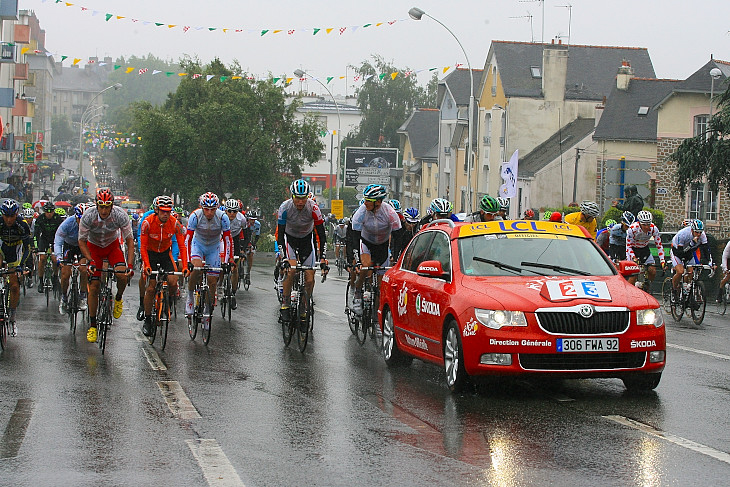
(518, 298)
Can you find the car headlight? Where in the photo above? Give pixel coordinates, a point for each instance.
(498, 318)
(652, 316)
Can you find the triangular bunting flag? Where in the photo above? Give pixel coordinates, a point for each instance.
(109, 16)
(446, 69)
(130, 69)
(382, 76)
(329, 30)
(315, 31)
(223, 78)
(116, 66)
(156, 71)
(393, 75)
(330, 78)
(169, 73)
(263, 32)
(209, 77)
(77, 61)
(158, 24)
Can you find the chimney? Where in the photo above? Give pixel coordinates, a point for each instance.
(623, 78)
(554, 71)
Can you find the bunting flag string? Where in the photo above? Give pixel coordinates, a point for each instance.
(107, 17)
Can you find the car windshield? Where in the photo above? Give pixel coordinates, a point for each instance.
(525, 255)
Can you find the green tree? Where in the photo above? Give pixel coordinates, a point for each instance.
(386, 103)
(223, 135)
(62, 131)
(707, 155)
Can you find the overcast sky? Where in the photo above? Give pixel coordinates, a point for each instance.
(679, 35)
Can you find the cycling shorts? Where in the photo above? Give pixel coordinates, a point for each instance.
(164, 259)
(71, 252)
(112, 253)
(302, 247)
(617, 252)
(379, 253)
(643, 256)
(44, 243)
(694, 259)
(210, 254)
(236, 246)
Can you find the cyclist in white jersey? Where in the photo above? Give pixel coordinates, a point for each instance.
(638, 237)
(297, 220)
(372, 225)
(206, 227)
(689, 246)
(238, 225)
(250, 238)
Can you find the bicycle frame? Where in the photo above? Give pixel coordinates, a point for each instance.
(201, 299)
(161, 304)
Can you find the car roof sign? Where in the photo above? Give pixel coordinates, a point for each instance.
(521, 226)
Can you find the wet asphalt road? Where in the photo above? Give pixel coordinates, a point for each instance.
(245, 410)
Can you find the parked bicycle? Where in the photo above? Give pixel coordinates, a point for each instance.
(301, 311)
(691, 294)
(203, 304)
(161, 306)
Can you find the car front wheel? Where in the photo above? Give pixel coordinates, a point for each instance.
(456, 376)
(392, 355)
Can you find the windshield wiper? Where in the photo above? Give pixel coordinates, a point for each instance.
(559, 268)
(499, 265)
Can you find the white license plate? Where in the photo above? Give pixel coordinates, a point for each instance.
(587, 344)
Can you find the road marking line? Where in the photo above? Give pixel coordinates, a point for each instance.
(153, 358)
(15, 430)
(328, 313)
(677, 440)
(217, 470)
(701, 352)
(177, 400)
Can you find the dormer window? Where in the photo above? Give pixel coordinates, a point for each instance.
(535, 71)
(643, 111)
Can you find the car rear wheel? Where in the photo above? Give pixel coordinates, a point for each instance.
(643, 382)
(456, 377)
(392, 355)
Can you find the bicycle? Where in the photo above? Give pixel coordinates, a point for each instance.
(279, 280)
(228, 299)
(642, 278)
(246, 271)
(302, 307)
(692, 295)
(106, 300)
(724, 299)
(367, 321)
(74, 294)
(6, 326)
(340, 259)
(161, 305)
(202, 302)
(50, 280)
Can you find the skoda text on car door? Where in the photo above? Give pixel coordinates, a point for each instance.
(520, 297)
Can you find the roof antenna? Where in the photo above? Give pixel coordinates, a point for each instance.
(529, 17)
(570, 17)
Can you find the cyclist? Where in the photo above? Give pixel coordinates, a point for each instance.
(689, 246)
(440, 209)
(28, 214)
(44, 234)
(726, 273)
(156, 236)
(602, 237)
(373, 224)
(341, 238)
(617, 237)
(503, 208)
(585, 218)
(100, 229)
(410, 224)
(529, 214)
(251, 238)
(15, 238)
(238, 226)
(396, 237)
(206, 227)
(66, 249)
(488, 210)
(297, 220)
(638, 237)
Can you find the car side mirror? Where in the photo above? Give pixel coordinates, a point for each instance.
(628, 268)
(431, 268)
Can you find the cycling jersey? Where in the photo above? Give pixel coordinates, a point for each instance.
(617, 235)
(67, 233)
(44, 230)
(725, 256)
(376, 226)
(636, 238)
(157, 237)
(15, 242)
(237, 224)
(577, 219)
(207, 233)
(103, 233)
(299, 223)
(684, 245)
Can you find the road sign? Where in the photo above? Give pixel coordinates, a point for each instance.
(28, 152)
(38, 152)
(338, 208)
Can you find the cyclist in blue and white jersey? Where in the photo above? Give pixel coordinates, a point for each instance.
(372, 224)
(298, 218)
(206, 227)
(617, 237)
(66, 249)
(439, 209)
(689, 246)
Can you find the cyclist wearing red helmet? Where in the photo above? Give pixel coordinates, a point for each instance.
(99, 232)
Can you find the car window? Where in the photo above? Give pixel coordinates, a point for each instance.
(439, 251)
(416, 252)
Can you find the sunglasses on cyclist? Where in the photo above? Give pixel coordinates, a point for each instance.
(297, 197)
(370, 200)
(231, 211)
(49, 211)
(104, 203)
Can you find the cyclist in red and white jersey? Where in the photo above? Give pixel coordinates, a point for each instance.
(638, 237)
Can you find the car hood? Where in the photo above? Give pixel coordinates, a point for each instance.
(531, 293)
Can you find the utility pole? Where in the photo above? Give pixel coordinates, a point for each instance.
(575, 174)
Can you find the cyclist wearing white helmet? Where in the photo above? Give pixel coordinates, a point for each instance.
(689, 246)
(298, 218)
(503, 208)
(725, 271)
(617, 237)
(638, 237)
(586, 217)
(238, 227)
(250, 238)
(372, 224)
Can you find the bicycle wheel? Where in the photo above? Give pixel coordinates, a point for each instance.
(72, 307)
(47, 290)
(3, 333)
(376, 333)
(163, 317)
(677, 307)
(302, 317)
(105, 314)
(207, 318)
(224, 304)
(667, 294)
(155, 317)
(698, 302)
(361, 329)
(340, 267)
(194, 319)
(247, 279)
(350, 315)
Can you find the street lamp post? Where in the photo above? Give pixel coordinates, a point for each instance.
(416, 14)
(715, 73)
(299, 73)
(116, 86)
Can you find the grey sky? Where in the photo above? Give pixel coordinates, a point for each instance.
(679, 35)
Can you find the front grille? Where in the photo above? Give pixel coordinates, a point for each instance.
(567, 323)
(582, 361)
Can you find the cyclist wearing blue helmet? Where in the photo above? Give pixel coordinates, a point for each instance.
(298, 218)
(396, 236)
(15, 237)
(373, 223)
(617, 237)
(689, 246)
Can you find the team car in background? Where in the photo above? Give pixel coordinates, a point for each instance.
(509, 298)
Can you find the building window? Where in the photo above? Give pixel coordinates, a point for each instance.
(494, 81)
(700, 125)
(697, 208)
(535, 72)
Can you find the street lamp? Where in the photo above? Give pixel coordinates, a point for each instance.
(299, 73)
(116, 86)
(416, 14)
(715, 73)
